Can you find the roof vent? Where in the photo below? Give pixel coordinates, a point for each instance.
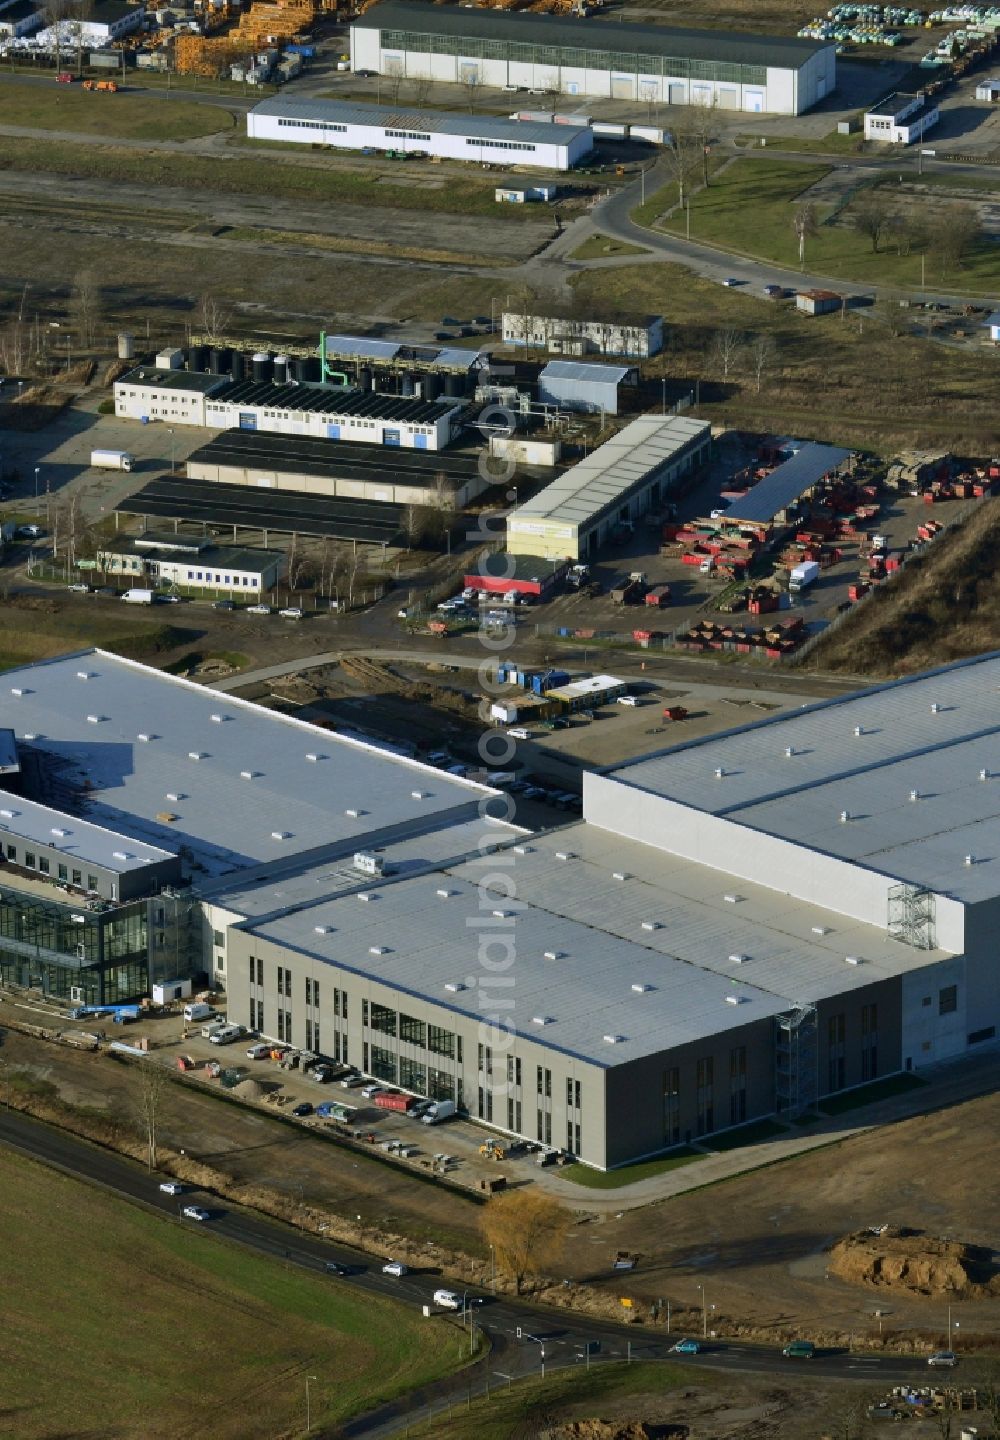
(56, 830)
(735, 999)
(732, 899)
(121, 855)
(322, 929)
(553, 954)
(984, 774)
(16, 690)
(378, 950)
(78, 919)
(29, 735)
(642, 988)
(970, 859)
(249, 774)
(935, 708)
(914, 794)
(523, 849)
(859, 729)
(8, 814)
(651, 925)
(739, 959)
(853, 959)
(502, 914)
(613, 1039)
(541, 1019)
(175, 796)
(564, 854)
(84, 674)
(445, 893)
(355, 812)
(419, 794)
(281, 834)
(845, 815)
(196, 754)
(455, 985)
(365, 896)
(789, 751)
(94, 719)
(619, 875)
(312, 757)
(144, 737)
(821, 929)
(719, 773)
(218, 719)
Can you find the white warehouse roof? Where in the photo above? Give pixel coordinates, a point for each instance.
(642, 447)
(79, 840)
(441, 122)
(584, 371)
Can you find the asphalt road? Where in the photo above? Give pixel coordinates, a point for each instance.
(522, 1338)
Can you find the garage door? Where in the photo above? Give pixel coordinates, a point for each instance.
(678, 92)
(701, 94)
(623, 87)
(729, 97)
(755, 101)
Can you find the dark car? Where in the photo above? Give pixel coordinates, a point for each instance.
(106, 590)
(365, 74)
(333, 1268)
(223, 605)
(443, 335)
(450, 320)
(304, 1109)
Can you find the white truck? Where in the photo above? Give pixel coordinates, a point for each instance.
(138, 597)
(802, 576)
(441, 1110)
(111, 460)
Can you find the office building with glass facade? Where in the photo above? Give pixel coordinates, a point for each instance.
(649, 64)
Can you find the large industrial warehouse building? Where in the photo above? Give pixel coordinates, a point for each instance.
(614, 485)
(738, 926)
(650, 64)
(478, 138)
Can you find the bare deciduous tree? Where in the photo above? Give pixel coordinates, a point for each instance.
(804, 224)
(212, 317)
(86, 306)
(152, 1079)
(872, 215)
(726, 348)
(763, 357)
(526, 1229)
(953, 238)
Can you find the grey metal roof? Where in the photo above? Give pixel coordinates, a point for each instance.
(440, 122)
(592, 925)
(904, 745)
(358, 345)
(148, 375)
(283, 805)
(79, 840)
(582, 371)
(611, 471)
(788, 483)
(235, 557)
(722, 45)
(423, 357)
(8, 752)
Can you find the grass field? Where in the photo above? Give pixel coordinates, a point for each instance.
(749, 209)
(119, 117)
(849, 381)
(34, 630)
(871, 1094)
(628, 1174)
(602, 247)
(119, 1323)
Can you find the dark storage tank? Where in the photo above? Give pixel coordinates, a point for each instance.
(314, 373)
(407, 386)
(430, 387)
(454, 386)
(238, 365)
(220, 361)
(300, 369)
(261, 367)
(197, 358)
(281, 369)
(366, 378)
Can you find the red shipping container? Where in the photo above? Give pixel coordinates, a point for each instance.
(401, 1103)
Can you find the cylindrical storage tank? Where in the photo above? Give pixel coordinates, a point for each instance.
(407, 386)
(126, 346)
(197, 358)
(366, 378)
(261, 367)
(215, 360)
(313, 372)
(453, 385)
(238, 365)
(300, 369)
(430, 387)
(280, 373)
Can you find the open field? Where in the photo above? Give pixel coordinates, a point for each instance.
(944, 606)
(750, 206)
(36, 629)
(601, 247)
(121, 116)
(125, 1324)
(850, 381)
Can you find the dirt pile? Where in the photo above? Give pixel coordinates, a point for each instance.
(920, 1264)
(251, 1089)
(615, 1430)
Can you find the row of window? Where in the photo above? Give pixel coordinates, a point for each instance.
(569, 57)
(405, 135)
(43, 865)
(174, 399)
(310, 125)
(501, 144)
(233, 581)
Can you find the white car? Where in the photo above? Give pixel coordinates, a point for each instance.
(260, 1051)
(945, 1359)
(80, 588)
(171, 1187)
(195, 1212)
(260, 609)
(292, 612)
(395, 1267)
(627, 700)
(447, 1299)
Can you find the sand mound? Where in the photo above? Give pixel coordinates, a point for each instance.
(910, 1261)
(250, 1089)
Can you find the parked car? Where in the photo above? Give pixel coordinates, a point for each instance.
(629, 700)
(223, 605)
(195, 1212)
(292, 612)
(799, 1350)
(370, 1091)
(304, 1109)
(395, 1267)
(171, 1187)
(943, 1359)
(80, 588)
(730, 281)
(171, 599)
(260, 609)
(260, 1051)
(450, 320)
(448, 1300)
(687, 1347)
(351, 1082)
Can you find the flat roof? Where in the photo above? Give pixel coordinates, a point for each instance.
(77, 839)
(290, 804)
(234, 557)
(496, 26)
(286, 512)
(905, 745)
(19, 10)
(583, 961)
(584, 371)
(590, 685)
(893, 103)
(333, 400)
(436, 122)
(637, 452)
(788, 483)
(149, 376)
(433, 357)
(512, 567)
(338, 459)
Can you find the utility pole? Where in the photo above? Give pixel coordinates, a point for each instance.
(309, 1378)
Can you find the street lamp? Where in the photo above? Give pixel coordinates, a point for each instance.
(704, 1312)
(493, 1270)
(171, 434)
(308, 1404)
(38, 471)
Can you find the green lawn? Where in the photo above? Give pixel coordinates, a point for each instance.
(870, 1094)
(746, 1135)
(629, 1174)
(832, 143)
(118, 1322)
(113, 117)
(36, 630)
(602, 247)
(749, 209)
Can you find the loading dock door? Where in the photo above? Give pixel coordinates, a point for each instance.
(623, 87)
(677, 92)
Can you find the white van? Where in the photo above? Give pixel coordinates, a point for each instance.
(258, 1052)
(519, 733)
(447, 1299)
(226, 1035)
(198, 1011)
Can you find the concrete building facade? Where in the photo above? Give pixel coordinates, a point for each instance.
(901, 119)
(560, 335)
(192, 563)
(647, 63)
